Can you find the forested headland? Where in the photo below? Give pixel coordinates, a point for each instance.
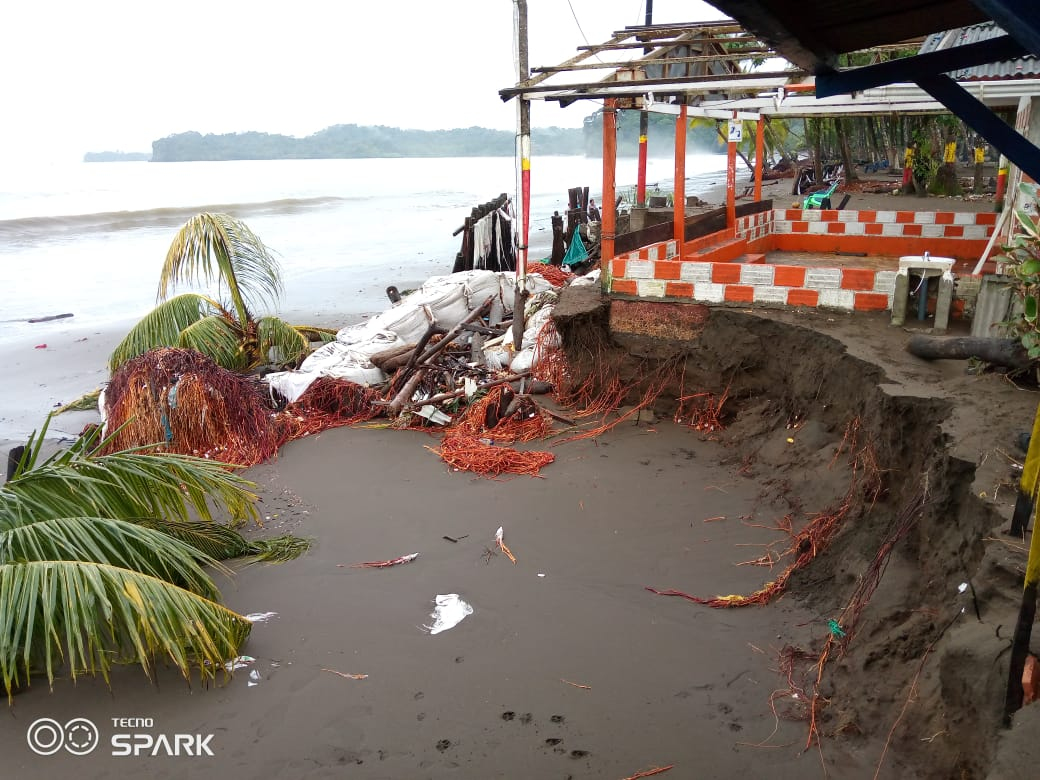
(350, 141)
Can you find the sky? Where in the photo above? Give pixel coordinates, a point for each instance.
(115, 75)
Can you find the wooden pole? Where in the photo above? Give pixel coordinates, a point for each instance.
(644, 127)
(523, 108)
(760, 133)
(609, 214)
(731, 182)
(679, 193)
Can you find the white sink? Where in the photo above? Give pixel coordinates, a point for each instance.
(930, 266)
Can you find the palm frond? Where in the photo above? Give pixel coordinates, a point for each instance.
(220, 542)
(214, 247)
(280, 342)
(127, 485)
(278, 549)
(86, 402)
(114, 542)
(92, 615)
(217, 338)
(162, 326)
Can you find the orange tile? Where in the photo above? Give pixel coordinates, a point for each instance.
(789, 276)
(904, 217)
(624, 286)
(829, 215)
(679, 289)
(617, 268)
(857, 279)
(953, 231)
(667, 269)
(836, 227)
(911, 230)
(944, 217)
(739, 292)
(867, 301)
(793, 214)
(985, 218)
(874, 228)
(799, 227)
(644, 253)
(803, 297)
(725, 273)
(867, 216)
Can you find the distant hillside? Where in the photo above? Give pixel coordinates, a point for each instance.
(116, 157)
(341, 141)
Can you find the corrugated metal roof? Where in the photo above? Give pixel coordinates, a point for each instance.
(962, 36)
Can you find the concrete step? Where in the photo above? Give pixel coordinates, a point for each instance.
(723, 252)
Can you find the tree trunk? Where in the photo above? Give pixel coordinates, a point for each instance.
(1008, 353)
(842, 126)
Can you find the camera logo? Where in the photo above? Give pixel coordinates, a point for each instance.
(47, 736)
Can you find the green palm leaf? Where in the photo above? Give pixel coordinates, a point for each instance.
(162, 326)
(219, 339)
(280, 342)
(221, 542)
(115, 542)
(126, 485)
(91, 615)
(219, 248)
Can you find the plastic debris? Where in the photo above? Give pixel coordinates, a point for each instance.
(260, 617)
(502, 545)
(346, 674)
(254, 678)
(449, 612)
(836, 628)
(383, 564)
(239, 662)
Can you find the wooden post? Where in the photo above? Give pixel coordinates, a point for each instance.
(760, 132)
(679, 191)
(731, 182)
(609, 200)
(644, 127)
(523, 108)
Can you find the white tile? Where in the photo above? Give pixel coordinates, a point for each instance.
(695, 272)
(822, 278)
(771, 294)
(838, 299)
(639, 269)
(756, 274)
(709, 292)
(651, 288)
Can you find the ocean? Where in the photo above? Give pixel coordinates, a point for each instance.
(89, 239)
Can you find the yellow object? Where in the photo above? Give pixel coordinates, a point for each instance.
(908, 158)
(950, 153)
(980, 154)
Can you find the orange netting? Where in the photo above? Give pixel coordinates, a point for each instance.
(177, 400)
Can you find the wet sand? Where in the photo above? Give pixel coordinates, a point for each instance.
(669, 681)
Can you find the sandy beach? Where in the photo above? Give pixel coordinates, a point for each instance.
(568, 667)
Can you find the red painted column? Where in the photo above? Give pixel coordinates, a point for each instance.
(609, 213)
(641, 175)
(760, 134)
(731, 183)
(679, 191)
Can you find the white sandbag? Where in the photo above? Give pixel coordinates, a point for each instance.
(335, 359)
(409, 322)
(446, 301)
(533, 329)
(588, 280)
(524, 360)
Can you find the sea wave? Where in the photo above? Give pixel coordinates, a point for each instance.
(30, 229)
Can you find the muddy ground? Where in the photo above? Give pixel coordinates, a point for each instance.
(923, 664)
(568, 667)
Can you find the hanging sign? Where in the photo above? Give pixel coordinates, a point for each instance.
(736, 131)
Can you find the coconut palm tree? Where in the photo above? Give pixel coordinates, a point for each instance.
(102, 561)
(217, 248)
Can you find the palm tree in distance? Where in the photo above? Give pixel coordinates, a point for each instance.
(217, 248)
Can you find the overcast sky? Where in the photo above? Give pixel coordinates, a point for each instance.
(94, 75)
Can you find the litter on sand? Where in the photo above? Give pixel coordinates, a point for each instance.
(260, 617)
(254, 678)
(346, 675)
(239, 662)
(383, 564)
(449, 612)
(502, 545)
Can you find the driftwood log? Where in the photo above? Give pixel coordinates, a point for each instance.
(387, 359)
(1008, 353)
